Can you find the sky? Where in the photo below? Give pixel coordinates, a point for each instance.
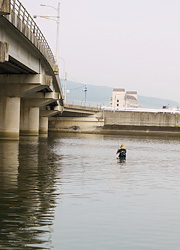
(131, 44)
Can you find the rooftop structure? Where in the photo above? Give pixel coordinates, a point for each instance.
(121, 99)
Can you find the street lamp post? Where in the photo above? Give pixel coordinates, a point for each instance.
(64, 77)
(57, 38)
(57, 18)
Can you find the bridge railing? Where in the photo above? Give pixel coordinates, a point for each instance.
(83, 104)
(22, 14)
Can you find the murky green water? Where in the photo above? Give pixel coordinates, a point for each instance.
(69, 192)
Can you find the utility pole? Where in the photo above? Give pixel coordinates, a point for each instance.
(85, 92)
(65, 86)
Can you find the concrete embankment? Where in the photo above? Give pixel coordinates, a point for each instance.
(121, 122)
(141, 130)
(142, 123)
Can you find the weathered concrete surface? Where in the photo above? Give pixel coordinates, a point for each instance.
(29, 119)
(150, 119)
(9, 117)
(4, 7)
(141, 130)
(89, 123)
(43, 125)
(4, 52)
(141, 123)
(40, 79)
(80, 109)
(120, 122)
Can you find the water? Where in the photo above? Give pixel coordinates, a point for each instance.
(70, 192)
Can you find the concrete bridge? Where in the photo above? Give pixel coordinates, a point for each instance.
(79, 117)
(31, 98)
(30, 89)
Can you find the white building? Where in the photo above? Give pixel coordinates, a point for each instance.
(132, 99)
(118, 98)
(121, 99)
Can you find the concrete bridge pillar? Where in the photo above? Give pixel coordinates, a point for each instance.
(9, 117)
(29, 119)
(43, 125)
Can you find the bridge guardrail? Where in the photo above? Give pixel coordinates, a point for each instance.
(18, 9)
(83, 104)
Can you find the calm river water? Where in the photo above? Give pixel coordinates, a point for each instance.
(69, 192)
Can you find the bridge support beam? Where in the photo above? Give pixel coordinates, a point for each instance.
(18, 113)
(9, 117)
(29, 119)
(4, 53)
(32, 122)
(44, 119)
(43, 125)
(4, 7)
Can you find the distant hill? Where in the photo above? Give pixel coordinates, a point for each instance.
(152, 102)
(102, 95)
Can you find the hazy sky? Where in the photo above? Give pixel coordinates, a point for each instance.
(131, 44)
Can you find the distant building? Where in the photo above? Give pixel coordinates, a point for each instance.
(118, 98)
(132, 99)
(121, 99)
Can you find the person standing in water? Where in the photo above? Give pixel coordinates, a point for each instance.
(122, 152)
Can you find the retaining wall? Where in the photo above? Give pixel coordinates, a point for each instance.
(121, 122)
(141, 123)
(141, 118)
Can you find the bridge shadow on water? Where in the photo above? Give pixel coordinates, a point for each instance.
(28, 193)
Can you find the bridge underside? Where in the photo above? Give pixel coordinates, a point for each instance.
(30, 90)
(27, 98)
(26, 102)
(14, 67)
(77, 118)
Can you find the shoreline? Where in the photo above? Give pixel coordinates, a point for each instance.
(134, 132)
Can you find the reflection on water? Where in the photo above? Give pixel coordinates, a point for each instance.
(70, 192)
(27, 193)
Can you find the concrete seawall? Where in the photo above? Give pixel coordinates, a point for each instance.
(142, 123)
(133, 118)
(121, 122)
